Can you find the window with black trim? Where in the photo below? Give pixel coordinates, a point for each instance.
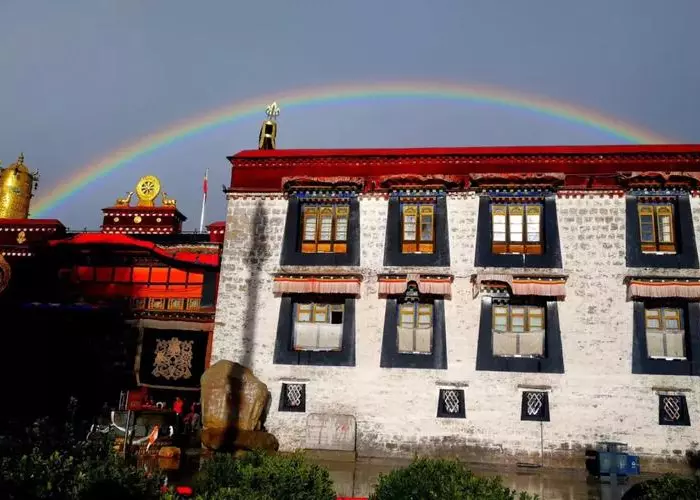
(660, 231)
(535, 406)
(666, 337)
(293, 397)
(451, 403)
(417, 227)
(517, 231)
(417, 231)
(519, 334)
(518, 329)
(324, 228)
(414, 331)
(656, 227)
(665, 332)
(316, 330)
(321, 229)
(516, 228)
(673, 410)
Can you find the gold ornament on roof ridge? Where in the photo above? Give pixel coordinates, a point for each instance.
(17, 185)
(147, 190)
(167, 202)
(268, 131)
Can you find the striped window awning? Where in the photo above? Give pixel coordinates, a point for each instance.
(540, 286)
(427, 284)
(322, 285)
(659, 288)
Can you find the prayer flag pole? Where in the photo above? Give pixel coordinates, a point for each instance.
(205, 189)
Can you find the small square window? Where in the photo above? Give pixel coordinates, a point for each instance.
(451, 403)
(516, 228)
(417, 228)
(665, 333)
(673, 410)
(656, 227)
(293, 398)
(324, 228)
(535, 406)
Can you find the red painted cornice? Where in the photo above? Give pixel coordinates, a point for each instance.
(587, 167)
(124, 241)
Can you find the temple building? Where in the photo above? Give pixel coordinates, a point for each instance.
(501, 304)
(128, 309)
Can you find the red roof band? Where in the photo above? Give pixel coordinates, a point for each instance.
(184, 257)
(588, 167)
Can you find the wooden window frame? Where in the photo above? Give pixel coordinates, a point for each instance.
(527, 329)
(418, 245)
(655, 245)
(521, 247)
(661, 317)
(338, 211)
(315, 309)
(417, 313)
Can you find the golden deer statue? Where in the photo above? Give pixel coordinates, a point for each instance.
(168, 202)
(124, 202)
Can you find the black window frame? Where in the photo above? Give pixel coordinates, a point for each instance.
(285, 354)
(642, 363)
(392, 358)
(292, 255)
(442, 409)
(551, 362)
(551, 248)
(686, 256)
(684, 419)
(543, 414)
(393, 255)
(284, 404)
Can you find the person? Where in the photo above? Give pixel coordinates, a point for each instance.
(178, 406)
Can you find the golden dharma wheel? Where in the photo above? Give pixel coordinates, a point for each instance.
(147, 189)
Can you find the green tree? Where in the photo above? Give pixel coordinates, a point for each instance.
(441, 479)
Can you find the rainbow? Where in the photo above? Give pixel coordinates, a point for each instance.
(334, 94)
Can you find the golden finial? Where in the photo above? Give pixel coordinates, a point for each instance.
(20, 159)
(268, 132)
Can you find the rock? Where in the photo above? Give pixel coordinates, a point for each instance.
(232, 399)
(255, 440)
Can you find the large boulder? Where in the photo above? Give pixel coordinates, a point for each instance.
(233, 399)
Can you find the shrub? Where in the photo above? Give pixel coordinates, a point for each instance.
(260, 476)
(666, 487)
(47, 462)
(440, 479)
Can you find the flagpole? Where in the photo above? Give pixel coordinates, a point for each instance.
(205, 188)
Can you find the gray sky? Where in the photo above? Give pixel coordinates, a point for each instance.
(81, 78)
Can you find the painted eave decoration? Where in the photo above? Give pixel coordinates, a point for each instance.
(580, 167)
(210, 259)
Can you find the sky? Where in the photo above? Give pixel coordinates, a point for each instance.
(80, 79)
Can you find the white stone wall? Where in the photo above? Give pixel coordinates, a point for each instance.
(597, 398)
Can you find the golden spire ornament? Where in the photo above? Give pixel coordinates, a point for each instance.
(16, 189)
(268, 131)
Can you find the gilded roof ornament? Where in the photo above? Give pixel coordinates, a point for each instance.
(272, 111)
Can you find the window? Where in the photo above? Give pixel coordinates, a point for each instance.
(516, 229)
(415, 328)
(451, 403)
(656, 228)
(293, 398)
(518, 330)
(417, 228)
(673, 410)
(324, 228)
(665, 333)
(535, 406)
(318, 327)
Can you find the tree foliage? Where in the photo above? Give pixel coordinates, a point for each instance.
(441, 479)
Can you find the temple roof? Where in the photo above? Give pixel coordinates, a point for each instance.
(587, 167)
